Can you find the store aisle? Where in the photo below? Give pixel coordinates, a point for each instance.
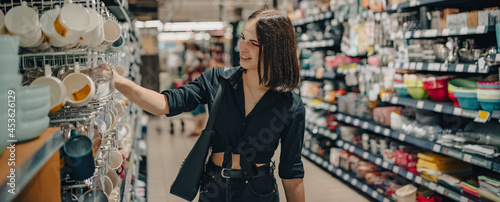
(166, 152)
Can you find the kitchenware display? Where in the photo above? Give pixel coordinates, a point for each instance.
(466, 93)
(436, 87)
(93, 36)
(23, 21)
(79, 159)
(415, 86)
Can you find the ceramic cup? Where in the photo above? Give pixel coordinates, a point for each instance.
(94, 195)
(115, 159)
(54, 38)
(80, 88)
(94, 34)
(72, 21)
(106, 185)
(23, 21)
(114, 177)
(57, 90)
(79, 160)
(112, 32)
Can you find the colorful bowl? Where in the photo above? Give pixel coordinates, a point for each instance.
(437, 87)
(467, 100)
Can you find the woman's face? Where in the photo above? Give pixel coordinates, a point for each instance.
(249, 46)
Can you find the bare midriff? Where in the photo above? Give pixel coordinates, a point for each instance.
(218, 158)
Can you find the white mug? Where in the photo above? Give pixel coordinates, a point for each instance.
(94, 35)
(112, 32)
(47, 24)
(80, 88)
(57, 89)
(72, 21)
(23, 21)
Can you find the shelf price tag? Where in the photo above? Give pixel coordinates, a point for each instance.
(374, 194)
(340, 116)
(464, 199)
(464, 30)
(354, 181)
(395, 169)
(387, 132)
(432, 186)
(467, 158)
(409, 175)
(418, 179)
(394, 100)
(420, 104)
(438, 108)
(394, 7)
(446, 32)
(482, 116)
(459, 68)
(330, 168)
(472, 68)
(417, 34)
(480, 29)
(444, 67)
(377, 129)
(365, 125)
(365, 155)
(345, 177)
(406, 65)
(413, 65)
(351, 149)
(457, 111)
(420, 66)
(402, 137)
(348, 119)
(436, 148)
(385, 164)
(413, 3)
(346, 147)
(440, 190)
(408, 34)
(356, 122)
(339, 172)
(364, 188)
(378, 161)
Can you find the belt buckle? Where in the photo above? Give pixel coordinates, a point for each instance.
(222, 173)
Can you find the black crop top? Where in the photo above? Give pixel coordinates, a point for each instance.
(277, 116)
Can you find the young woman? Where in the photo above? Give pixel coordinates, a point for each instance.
(258, 111)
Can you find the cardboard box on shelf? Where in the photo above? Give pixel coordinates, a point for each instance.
(472, 20)
(444, 15)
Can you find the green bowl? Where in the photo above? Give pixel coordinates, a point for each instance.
(463, 85)
(417, 93)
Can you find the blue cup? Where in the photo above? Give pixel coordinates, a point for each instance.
(79, 161)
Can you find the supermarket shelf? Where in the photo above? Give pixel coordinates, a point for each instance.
(344, 176)
(30, 157)
(318, 104)
(316, 44)
(115, 6)
(318, 130)
(315, 18)
(317, 74)
(411, 3)
(432, 33)
(440, 67)
(491, 164)
(452, 194)
(446, 108)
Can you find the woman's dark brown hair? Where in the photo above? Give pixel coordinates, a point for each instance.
(278, 48)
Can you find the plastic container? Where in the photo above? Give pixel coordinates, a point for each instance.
(467, 100)
(401, 89)
(437, 87)
(451, 95)
(489, 105)
(407, 193)
(415, 86)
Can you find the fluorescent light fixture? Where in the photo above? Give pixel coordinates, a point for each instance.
(193, 26)
(175, 36)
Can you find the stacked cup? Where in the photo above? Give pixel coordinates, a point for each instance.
(23, 21)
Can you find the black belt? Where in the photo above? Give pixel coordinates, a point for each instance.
(228, 173)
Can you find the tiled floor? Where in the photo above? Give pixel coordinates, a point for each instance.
(166, 152)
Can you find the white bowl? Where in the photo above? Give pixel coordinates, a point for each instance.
(29, 130)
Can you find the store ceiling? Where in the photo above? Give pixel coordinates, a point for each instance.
(194, 10)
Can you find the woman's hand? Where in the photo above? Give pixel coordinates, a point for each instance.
(105, 72)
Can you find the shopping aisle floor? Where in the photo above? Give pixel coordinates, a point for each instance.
(166, 152)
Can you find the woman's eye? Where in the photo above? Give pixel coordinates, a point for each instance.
(255, 44)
